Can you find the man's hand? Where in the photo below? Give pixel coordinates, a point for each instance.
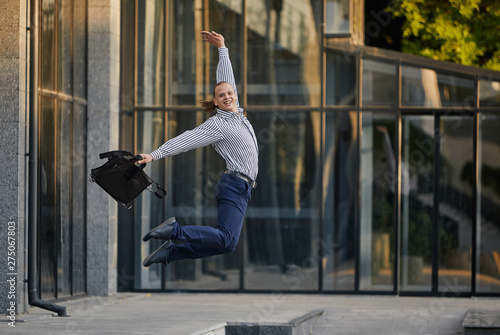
(217, 40)
(146, 158)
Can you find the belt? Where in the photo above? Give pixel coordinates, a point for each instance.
(249, 180)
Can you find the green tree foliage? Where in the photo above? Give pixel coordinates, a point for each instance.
(461, 31)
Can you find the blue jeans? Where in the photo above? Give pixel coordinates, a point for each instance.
(232, 195)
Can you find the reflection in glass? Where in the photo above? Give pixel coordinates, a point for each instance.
(47, 46)
(428, 88)
(185, 77)
(63, 175)
(148, 210)
(62, 170)
(337, 17)
(378, 190)
(190, 179)
(282, 228)
(283, 53)
(47, 187)
(417, 154)
(379, 83)
(225, 18)
(340, 79)
(64, 60)
(150, 53)
(340, 177)
(127, 59)
(192, 63)
(455, 203)
(489, 93)
(80, 49)
(488, 205)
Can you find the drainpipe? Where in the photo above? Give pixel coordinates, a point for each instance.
(33, 169)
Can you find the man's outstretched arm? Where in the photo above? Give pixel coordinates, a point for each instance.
(224, 67)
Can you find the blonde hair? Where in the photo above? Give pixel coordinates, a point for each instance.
(208, 104)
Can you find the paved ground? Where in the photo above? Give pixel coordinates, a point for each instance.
(179, 314)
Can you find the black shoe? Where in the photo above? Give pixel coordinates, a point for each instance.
(163, 231)
(160, 255)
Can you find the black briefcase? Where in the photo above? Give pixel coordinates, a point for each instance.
(124, 179)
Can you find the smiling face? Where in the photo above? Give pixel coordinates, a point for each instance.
(225, 98)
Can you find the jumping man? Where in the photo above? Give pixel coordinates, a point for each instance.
(233, 137)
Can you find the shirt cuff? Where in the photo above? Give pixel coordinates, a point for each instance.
(223, 51)
(156, 155)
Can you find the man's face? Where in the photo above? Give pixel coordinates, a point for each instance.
(225, 98)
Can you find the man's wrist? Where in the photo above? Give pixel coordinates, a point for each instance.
(155, 155)
(223, 51)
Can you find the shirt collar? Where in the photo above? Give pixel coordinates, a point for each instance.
(228, 115)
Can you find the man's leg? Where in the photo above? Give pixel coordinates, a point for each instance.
(202, 241)
(208, 241)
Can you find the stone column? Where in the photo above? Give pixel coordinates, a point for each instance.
(13, 149)
(103, 135)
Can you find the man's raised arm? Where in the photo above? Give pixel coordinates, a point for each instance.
(224, 67)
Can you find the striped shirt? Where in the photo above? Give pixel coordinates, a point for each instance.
(231, 134)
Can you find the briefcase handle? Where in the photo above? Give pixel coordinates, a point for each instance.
(114, 153)
(140, 168)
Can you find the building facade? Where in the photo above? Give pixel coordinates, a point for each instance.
(378, 170)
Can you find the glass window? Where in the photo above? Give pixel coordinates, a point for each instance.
(191, 178)
(340, 178)
(64, 59)
(225, 18)
(150, 53)
(127, 57)
(417, 155)
(80, 49)
(455, 213)
(340, 79)
(148, 209)
(283, 54)
(488, 205)
(47, 45)
(192, 62)
(185, 77)
(378, 191)
(62, 170)
(63, 175)
(489, 93)
(428, 88)
(47, 225)
(379, 83)
(337, 17)
(282, 228)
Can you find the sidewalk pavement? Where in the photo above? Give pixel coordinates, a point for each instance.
(191, 313)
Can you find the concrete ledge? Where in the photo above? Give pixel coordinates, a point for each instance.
(299, 326)
(218, 329)
(482, 322)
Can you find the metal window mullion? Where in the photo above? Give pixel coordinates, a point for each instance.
(436, 202)
(244, 102)
(56, 119)
(397, 198)
(322, 53)
(72, 143)
(357, 201)
(476, 239)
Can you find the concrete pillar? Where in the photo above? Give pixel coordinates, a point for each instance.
(103, 135)
(13, 149)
